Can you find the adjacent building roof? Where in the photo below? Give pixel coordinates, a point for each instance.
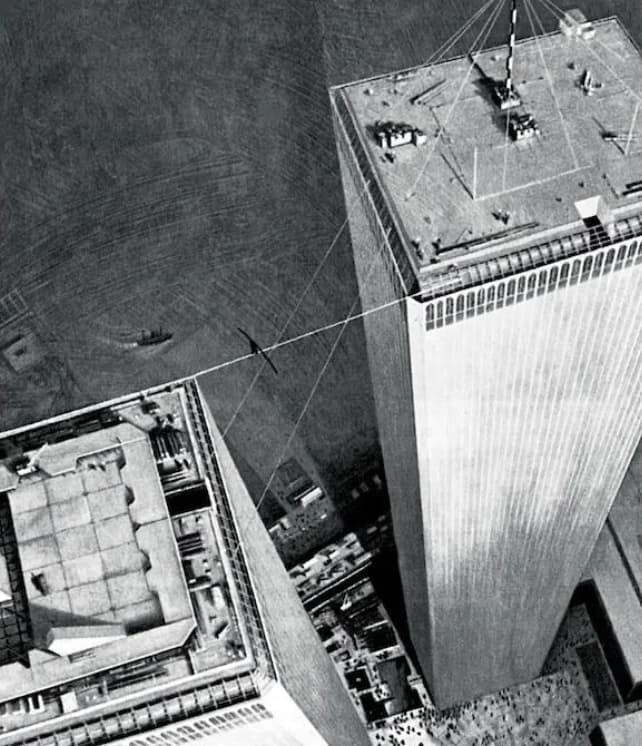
(114, 572)
(95, 548)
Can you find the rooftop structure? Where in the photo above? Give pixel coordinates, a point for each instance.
(126, 602)
(447, 194)
(499, 269)
(623, 730)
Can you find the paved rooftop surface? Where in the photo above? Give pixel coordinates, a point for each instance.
(431, 186)
(94, 553)
(96, 545)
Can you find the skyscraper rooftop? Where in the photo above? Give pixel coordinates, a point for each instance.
(106, 588)
(471, 187)
(128, 600)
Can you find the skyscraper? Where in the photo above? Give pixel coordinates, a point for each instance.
(495, 205)
(141, 599)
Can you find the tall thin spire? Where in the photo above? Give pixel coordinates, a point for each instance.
(504, 90)
(511, 47)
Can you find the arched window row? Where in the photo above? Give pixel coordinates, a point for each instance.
(443, 312)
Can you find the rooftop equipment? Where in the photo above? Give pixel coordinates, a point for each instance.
(395, 134)
(617, 137)
(588, 84)
(573, 24)
(522, 126)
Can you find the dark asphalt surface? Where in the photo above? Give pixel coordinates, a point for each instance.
(174, 163)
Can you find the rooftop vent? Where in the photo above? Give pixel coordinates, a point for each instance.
(573, 24)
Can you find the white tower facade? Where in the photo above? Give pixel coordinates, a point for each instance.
(500, 282)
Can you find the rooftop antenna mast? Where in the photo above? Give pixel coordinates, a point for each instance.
(505, 93)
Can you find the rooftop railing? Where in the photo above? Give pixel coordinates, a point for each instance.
(454, 278)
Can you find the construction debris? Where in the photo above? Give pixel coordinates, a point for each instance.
(502, 216)
(618, 137)
(500, 235)
(428, 94)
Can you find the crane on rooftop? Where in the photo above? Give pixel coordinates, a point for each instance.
(505, 94)
(520, 124)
